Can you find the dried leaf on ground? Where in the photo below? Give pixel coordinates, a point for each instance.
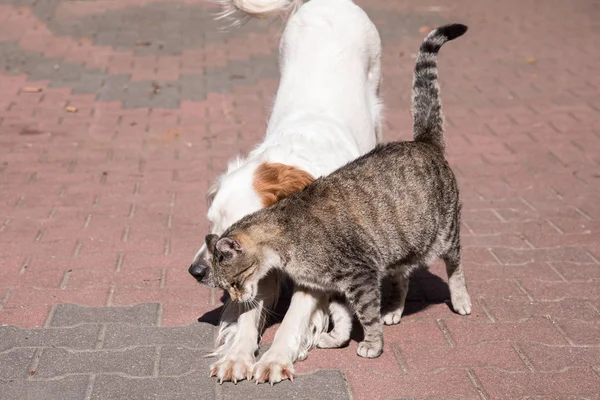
(143, 43)
(173, 132)
(155, 88)
(71, 109)
(32, 89)
(530, 60)
(426, 29)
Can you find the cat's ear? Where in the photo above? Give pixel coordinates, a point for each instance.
(274, 181)
(211, 241)
(229, 246)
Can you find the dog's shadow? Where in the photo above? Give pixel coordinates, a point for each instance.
(425, 289)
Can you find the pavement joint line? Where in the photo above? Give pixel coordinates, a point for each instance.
(442, 325)
(87, 221)
(131, 210)
(163, 278)
(125, 234)
(24, 265)
(48, 320)
(65, 279)
(556, 227)
(90, 387)
(523, 290)
(523, 356)
(557, 272)
(52, 212)
(5, 298)
(590, 255)
(167, 246)
(159, 315)
(498, 215)
(119, 262)
(38, 236)
(477, 384)
(109, 298)
(528, 204)
(583, 213)
(593, 307)
(485, 309)
(101, 336)
(526, 241)
(494, 256)
(19, 201)
(77, 248)
(35, 362)
(560, 330)
(5, 224)
(400, 358)
(156, 367)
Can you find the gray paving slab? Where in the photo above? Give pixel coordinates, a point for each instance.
(71, 315)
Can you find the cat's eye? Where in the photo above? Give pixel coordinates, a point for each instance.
(220, 258)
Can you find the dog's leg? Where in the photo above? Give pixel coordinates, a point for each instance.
(240, 330)
(289, 342)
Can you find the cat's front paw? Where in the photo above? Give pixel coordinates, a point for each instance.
(370, 349)
(233, 367)
(462, 303)
(392, 317)
(273, 368)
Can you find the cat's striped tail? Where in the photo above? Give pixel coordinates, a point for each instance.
(428, 120)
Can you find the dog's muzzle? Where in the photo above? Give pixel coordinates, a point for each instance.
(202, 272)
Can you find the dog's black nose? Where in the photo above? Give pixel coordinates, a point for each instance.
(198, 271)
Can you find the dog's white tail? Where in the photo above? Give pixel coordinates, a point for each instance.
(239, 11)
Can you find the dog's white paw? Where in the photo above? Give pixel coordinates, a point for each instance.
(273, 368)
(369, 349)
(392, 317)
(233, 367)
(462, 303)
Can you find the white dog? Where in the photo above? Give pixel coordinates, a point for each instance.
(327, 112)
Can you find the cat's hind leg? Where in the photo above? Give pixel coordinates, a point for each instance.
(341, 316)
(394, 297)
(364, 296)
(459, 296)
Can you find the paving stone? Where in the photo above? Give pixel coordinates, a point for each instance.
(197, 335)
(14, 364)
(79, 337)
(69, 388)
(178, 360)
(320, 385)
(138, 361)
(186, 387)
(70, 315)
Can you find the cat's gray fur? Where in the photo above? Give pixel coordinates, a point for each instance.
(388, 212)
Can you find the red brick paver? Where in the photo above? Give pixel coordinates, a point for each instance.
(112, 131)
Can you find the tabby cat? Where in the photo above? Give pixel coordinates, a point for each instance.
(386, 213)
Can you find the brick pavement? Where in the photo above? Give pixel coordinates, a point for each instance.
(115, 117)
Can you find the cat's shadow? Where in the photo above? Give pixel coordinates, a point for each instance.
(425, 289)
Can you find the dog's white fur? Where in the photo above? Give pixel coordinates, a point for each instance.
(327, 112)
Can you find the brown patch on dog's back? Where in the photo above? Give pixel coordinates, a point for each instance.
(275, 181)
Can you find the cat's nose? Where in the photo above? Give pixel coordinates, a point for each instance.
(198, 271)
